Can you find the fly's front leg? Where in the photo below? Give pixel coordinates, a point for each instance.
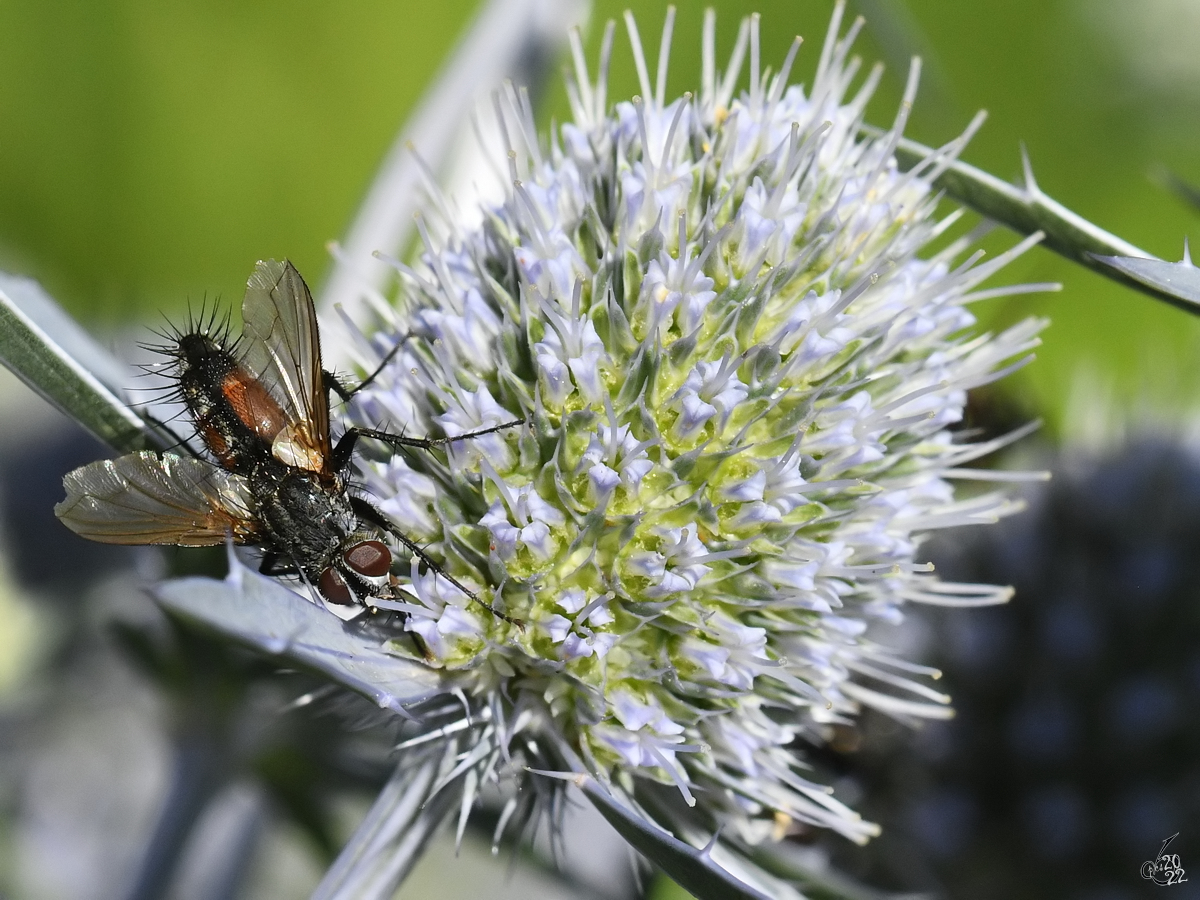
(274, 563)
(332, 383)
(345, 445)
(426, 443)
(368, 513)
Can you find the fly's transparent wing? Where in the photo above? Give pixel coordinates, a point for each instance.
(143, 498)
(282, 348)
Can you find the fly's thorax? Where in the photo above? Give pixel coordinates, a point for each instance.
(197, 349)
(203, 366)
(309, 521)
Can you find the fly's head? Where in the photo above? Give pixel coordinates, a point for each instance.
(360, 570)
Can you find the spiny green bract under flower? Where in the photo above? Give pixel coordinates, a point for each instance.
(738, 377)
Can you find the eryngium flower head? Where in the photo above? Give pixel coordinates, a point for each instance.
(740, 378)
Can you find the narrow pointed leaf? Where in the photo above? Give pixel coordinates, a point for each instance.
(390, 840)
(1027, 210)
(817, 879)
(262, 613)
(1180, 279)
(72, 337)
(694, 870)
(68, 380)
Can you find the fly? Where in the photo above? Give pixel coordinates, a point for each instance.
(276, 480)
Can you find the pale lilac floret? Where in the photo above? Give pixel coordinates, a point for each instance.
(733, 654)
(473, 411)
(785, 486)
(569, 356)
(710, 389)
(637, 714)
(405, 495)
(576, 635)
(676, 289)
(559, 627)
(525, 520)
(656, 184)
(675, 566)
(814, 331)
(615, 457)
(554, 375)
(470, 333)
(552, 266)
(770, 220)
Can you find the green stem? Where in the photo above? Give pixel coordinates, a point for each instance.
(1027, 210)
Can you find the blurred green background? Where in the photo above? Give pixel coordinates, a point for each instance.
(151, 152)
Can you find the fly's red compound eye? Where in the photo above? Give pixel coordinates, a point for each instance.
(370, 558)
(333, 588)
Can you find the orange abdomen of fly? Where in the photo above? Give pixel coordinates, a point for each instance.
(252, 405)
(234, 413)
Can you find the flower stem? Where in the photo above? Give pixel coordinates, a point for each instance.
(1027, 210)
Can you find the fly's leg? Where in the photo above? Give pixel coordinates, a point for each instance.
(274, 563)
(345, 445)
(333, 384)
(399, 440)
(368, 513)
(170, 432)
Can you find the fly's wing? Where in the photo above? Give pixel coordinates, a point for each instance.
(282, 349)
(144, 499)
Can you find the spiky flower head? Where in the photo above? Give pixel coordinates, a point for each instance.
(740, 377)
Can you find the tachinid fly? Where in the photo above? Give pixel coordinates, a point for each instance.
(261, 406)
